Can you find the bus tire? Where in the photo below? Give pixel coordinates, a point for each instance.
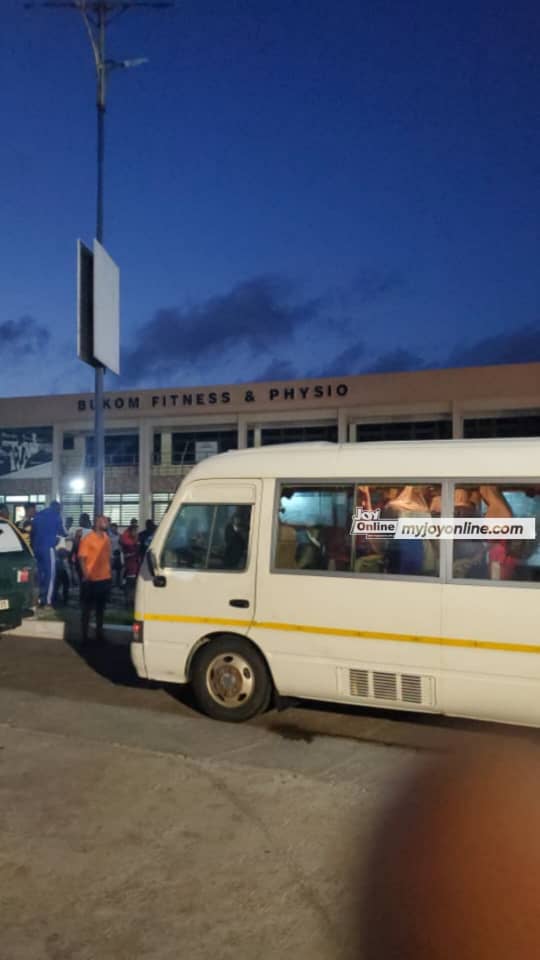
(230, 680)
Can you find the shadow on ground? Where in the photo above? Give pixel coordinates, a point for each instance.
(112, 661)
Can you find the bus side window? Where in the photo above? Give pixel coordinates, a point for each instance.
(313, 527)
(286, 547)
(208, 537)
(411, 556)
(516, 560)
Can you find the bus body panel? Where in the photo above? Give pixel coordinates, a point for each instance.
(315, 663)
(490, 651)
(417, 643)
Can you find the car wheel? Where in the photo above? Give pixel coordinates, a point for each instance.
(230, 680)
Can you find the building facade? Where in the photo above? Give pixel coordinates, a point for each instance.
(153, 437)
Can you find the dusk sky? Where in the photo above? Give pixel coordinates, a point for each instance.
(293, 188)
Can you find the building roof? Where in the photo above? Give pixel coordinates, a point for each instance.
(503, 386)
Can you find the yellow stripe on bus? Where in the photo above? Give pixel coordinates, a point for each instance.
(340, 632)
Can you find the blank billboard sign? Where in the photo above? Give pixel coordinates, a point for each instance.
(106, 296)
(85, 303)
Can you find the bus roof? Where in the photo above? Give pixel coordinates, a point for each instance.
(430, 459)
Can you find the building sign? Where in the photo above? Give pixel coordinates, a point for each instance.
(204, 449)
(26, 452)
(295, 395)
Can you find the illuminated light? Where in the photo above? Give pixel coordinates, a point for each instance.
(78, 485)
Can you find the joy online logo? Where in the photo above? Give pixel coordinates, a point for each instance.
(369, 523)
(366, 522)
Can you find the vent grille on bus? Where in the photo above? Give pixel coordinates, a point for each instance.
(385, 686)
(411, 689)
(390, 687)
(359, 680)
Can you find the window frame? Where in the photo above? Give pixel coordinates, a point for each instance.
(410, 421)
(483, 581)
(447, 485)
(212, 570)
(350, 574)
(113, 460)
(494, 419)
(197, 434)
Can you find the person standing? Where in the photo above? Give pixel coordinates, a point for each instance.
(84, 528)
(116, 555)
(46, 528)
(96, 577)
(64, 549)
(145, 538)
(129, 543)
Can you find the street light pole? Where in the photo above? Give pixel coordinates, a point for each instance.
(99, 418)
(96, 15)
(101, 72)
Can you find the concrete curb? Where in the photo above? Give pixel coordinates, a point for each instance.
(55, 630)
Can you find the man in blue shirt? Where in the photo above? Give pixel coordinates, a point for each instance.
(46, 529)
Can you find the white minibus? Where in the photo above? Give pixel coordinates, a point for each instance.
(267, 578)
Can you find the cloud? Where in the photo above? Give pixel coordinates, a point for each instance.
(346, 363)
(24, 335)
(278, 370)
(521, 345)
(398, 360)
(262, 329)
(370, 286)
(253, 318)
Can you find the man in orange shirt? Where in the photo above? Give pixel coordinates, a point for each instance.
(95, 560)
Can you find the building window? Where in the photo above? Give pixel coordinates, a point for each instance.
(192, 447)
(73, 506)
(160, 505)
(524, 425)
(298, 433)
(121, 507)
(68, 442)
(156, 450)
(121, 450)
(404, 430)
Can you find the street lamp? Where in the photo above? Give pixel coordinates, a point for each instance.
(78, 484)
(97, 14)
(96, 33)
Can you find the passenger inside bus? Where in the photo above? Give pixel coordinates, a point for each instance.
(314, 531)
(311, 553)
(505, 560)
(235, 537)
(411, 556)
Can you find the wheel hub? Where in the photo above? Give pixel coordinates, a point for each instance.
(230, 680)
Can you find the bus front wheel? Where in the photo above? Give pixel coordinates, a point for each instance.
(230, 680)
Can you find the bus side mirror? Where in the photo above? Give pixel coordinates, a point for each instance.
(152, 562)
(157, 579)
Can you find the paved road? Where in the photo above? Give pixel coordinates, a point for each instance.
(132, 827)
(55, 669)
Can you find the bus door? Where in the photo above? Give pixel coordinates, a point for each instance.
(207, 562)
